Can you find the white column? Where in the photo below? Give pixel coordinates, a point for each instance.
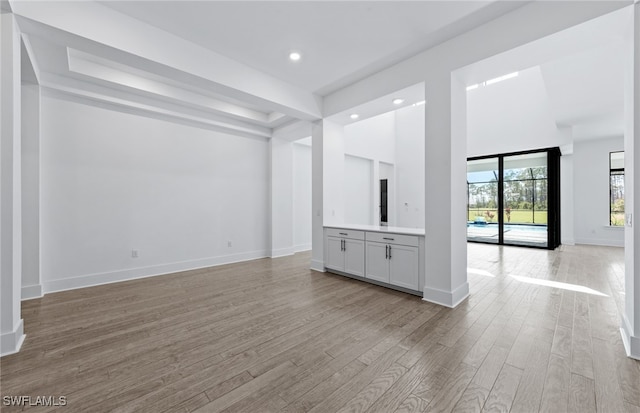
(31, 283)
(631, 318)
(445, 191)
(281, 197)
(317, 196)
(11, 327)
(327, 200)
(567, 206)
(333, 173)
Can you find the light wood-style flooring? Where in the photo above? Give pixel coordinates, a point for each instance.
(271, 335)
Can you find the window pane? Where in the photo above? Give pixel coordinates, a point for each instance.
(617, 198)
(616, 160)
(482, 200)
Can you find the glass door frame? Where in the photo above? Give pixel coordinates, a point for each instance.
(553, 196)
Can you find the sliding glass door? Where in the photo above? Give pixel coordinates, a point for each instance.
(482, 200)
(513, 199)
(525, 189)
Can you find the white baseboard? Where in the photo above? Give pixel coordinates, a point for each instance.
(631, 343)
(30, 292)
(302, 247)
(446, 298)
(282, 252)
(143, 272)
(568, 242)
(600, 242)
(12, 341)
(317, 265)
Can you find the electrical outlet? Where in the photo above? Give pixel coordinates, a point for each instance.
(228, 243)
(134, 253)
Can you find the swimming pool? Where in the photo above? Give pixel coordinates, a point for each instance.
(510, 227)
(513, 234)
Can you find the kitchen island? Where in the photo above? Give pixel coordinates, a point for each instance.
(392, 257)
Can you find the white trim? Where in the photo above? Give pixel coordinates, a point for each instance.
(302, 247)
(143, 272)
(568, 242)
(600, 242)
(282, 252)
(317, 265)
(631, 343)
(30, 292)
(11, 342)
(446, 298)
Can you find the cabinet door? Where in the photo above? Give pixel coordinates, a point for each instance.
(377, 262)
(354, 257)
(403, 267)
(335, 255)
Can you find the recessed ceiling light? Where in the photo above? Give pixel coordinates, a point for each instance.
(295, 56)
(354, 116)
(397, 101)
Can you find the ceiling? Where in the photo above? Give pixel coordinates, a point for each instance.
(586, 91)
(340, 41)
(224, 65)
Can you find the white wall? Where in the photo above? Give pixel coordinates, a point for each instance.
(410, 167)
(510, 116)
(114, 182)
(591, 192)
(394, 143)
(281, 197)
(301, 196)
(372, 138)
(358, 190)
(31, 286)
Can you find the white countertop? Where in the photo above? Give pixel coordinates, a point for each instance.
(379, 228)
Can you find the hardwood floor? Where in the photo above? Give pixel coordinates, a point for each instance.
(271, 335)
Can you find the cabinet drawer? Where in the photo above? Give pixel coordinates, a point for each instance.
(392, 238)
(344, 233)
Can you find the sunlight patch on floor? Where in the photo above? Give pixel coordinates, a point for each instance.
(479, 272)
(558, 284)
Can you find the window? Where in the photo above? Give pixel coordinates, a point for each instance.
(616, 189)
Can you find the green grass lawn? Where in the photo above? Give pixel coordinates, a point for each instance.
(518, 216)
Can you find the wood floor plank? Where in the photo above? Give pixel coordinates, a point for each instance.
(453, 389)
(555, 396)
(608, 391)
(582, 355)
(344, 394)
(367, 396)
(472, 400)
(582, 395)
(412, 404)
(533, 377)
(503, 393)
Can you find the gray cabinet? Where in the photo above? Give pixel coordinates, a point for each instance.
(345, 251)
(393, 259)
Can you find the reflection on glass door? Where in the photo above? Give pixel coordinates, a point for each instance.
(482, 200)
(526, 194)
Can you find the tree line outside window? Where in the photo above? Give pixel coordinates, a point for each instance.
(616, 189)
(525, 196)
